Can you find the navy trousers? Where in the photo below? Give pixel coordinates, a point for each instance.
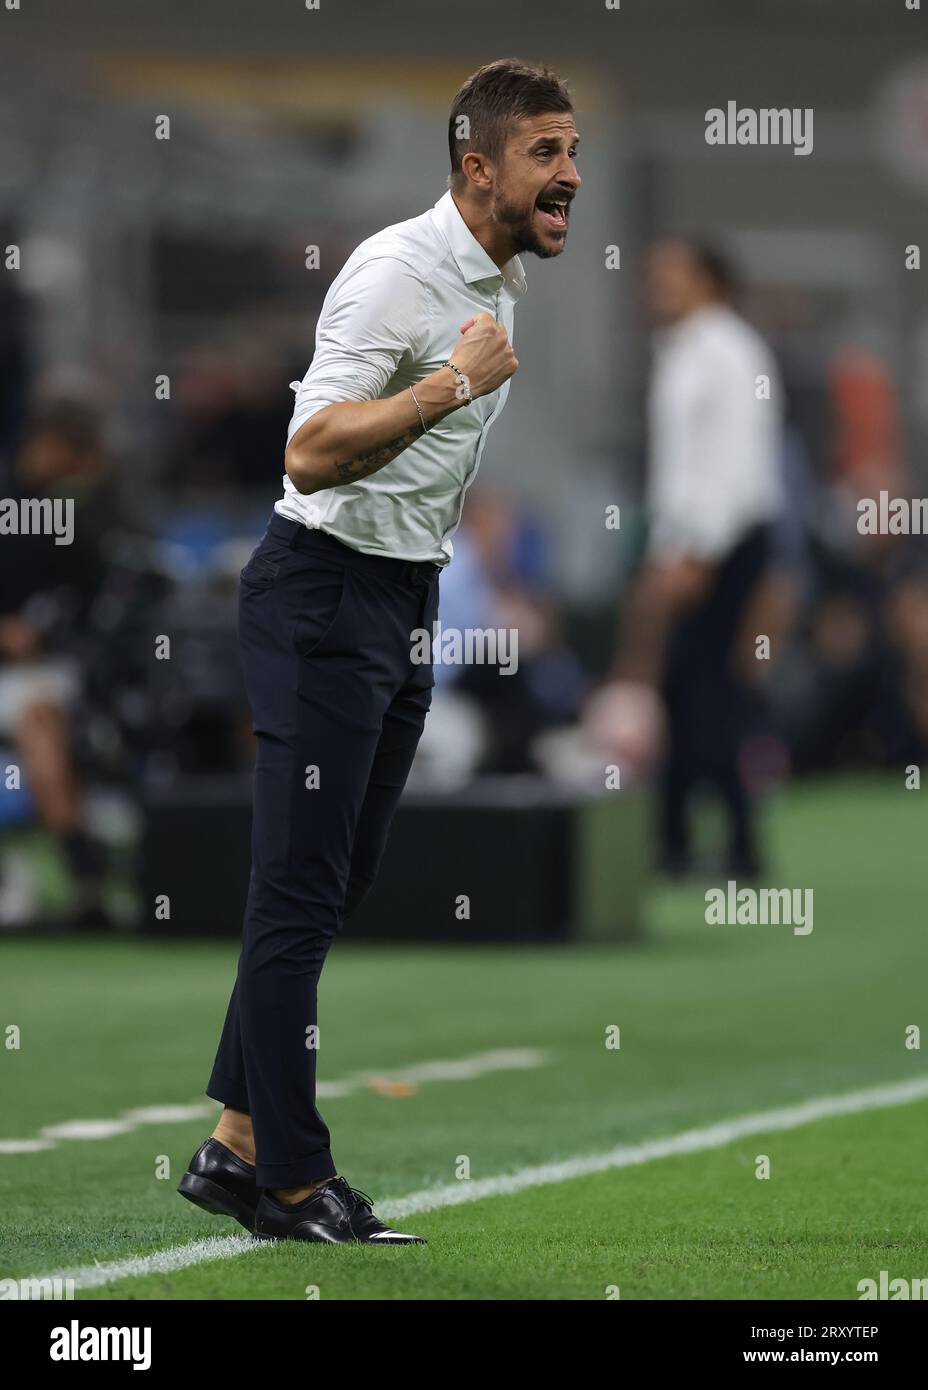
(338, 696)
(711, 709)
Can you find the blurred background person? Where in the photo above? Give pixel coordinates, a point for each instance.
(713, 498)
(47, 596)
(502, 581)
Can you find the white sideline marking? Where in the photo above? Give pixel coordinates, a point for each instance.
(454, 1069)
(162, 1261)
(51, 1135)
(454, 1194)
(688, 1142)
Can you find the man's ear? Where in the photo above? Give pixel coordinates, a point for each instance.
(478, 170)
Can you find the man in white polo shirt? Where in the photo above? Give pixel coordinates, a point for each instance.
(412, 365)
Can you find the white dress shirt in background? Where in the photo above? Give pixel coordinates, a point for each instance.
(390, 318)
(714, 452)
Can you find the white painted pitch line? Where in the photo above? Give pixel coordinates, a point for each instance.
(51, 1135)
(167, 1261)
(689, 1141)
(452, 1069)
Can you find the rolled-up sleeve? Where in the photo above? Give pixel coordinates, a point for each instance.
(373, 315)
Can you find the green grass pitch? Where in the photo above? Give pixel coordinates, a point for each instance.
(716, 1022)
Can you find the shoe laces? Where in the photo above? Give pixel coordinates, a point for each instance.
(355, 1194)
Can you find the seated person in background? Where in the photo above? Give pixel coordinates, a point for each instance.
(46, 592)
(500, 581)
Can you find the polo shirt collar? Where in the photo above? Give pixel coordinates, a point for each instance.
(470, 257)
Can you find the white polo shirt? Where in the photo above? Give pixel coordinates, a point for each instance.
(715, 441)
(390, 318)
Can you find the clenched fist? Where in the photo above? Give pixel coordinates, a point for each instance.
(484, 354)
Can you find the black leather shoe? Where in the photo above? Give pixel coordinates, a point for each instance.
(221, 1182)
(334, 1215)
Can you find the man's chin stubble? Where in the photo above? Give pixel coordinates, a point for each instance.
(525, 239)
(544, 253)
(530, 244)
(547, 253)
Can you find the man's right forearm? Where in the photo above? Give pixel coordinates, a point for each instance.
(351, 440)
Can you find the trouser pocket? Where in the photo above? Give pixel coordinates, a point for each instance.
(317, 597)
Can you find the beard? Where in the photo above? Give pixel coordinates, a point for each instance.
(518, 222)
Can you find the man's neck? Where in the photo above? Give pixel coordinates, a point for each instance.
(494, 239)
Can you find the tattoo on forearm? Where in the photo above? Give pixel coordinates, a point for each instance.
(351, 469)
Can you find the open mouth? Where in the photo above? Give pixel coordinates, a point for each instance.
(553, 213)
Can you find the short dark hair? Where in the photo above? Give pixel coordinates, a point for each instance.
(493, 98)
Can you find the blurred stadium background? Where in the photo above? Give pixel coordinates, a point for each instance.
(141, 259)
